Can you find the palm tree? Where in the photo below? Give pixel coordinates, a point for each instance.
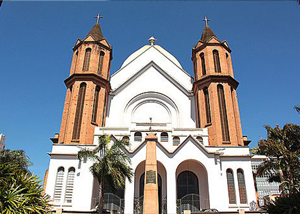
(297, 108)
(282, 147)
(111, 166)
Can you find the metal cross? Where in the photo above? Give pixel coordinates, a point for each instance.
(206, 20)
(98, 17)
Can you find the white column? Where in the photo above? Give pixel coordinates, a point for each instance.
(171, 190)
(129, 197)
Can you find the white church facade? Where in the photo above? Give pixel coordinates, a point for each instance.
(203, 160)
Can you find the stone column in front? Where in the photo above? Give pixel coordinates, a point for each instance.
(150, 204)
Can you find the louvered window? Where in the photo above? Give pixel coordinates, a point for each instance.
(138, 137)
(75, 61)
(230, 184)
(242, 186)
(70, 185)
(79, 112)
(100, 62)
(176, 141)
(164, 137)
(223, 114)
(207, 106)
(203, 64)
(217, 61)
(58, 185)
(95, 105)
(86, 61)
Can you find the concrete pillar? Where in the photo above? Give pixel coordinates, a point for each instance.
(150, 205)
(171, 190)
(129, 197)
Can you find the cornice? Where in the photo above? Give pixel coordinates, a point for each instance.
(201, 47)
(93, 42)
(88, 77)
(207, 80)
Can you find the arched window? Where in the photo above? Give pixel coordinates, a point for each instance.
(176, 141)
(79, 112)
(100, 62)
(125, 139)
(164, 137)
(142, 184)
(207, 106)
(230, 185)
(70, 185)
(223, 113)
(138, 137)
(75, 61)
(217, 61)
(187, 183)
(195, 69)
(228, 63)
(203, 64)
(95, 105)
(58, 184)
(200, 139)
(86, 61)
(242, 186)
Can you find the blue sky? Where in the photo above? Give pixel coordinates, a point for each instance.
(36, 48)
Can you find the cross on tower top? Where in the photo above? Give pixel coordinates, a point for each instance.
(206, 20)
(98, 17)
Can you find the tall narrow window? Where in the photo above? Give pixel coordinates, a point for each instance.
(138, 137)
(79, 112)
(207, 106)
(230, 185)
(70, 185)
(59, 184)
(176, 141)
(86, 61)
(242, 186)
(100, 62)
(228, 63)
(75, 61)
(203, 64)
(223, 114)
(195, 69)
(95, 105)
(164, 137)
(217, 61)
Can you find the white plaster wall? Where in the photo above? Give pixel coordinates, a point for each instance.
(83, 181)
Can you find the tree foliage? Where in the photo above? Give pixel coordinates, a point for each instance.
(20, 192)
(111, 166)
(282, 148)
(289, 204)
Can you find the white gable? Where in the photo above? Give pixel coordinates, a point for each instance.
(139, 59)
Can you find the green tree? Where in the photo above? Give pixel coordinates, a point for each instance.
(282, 148)
(289, 204)
(111, 166)
(20, 192)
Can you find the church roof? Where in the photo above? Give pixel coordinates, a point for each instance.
(96, 32)
(207, 34)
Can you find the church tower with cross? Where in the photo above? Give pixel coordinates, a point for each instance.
(87, 88)
(215, 90)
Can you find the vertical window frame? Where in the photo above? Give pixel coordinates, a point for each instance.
(207, 105)
(86, 60)
(223, 114)
(203, 64)
(217, 63)
(95, 105)
(242, 186)
(79, 111)
(100, 62)
(231, 186)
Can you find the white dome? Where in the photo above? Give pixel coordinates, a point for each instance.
(145, 48)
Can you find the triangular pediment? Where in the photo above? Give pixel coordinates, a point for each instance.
(157, 57)
(146, 68)
(89, 38)
(213, 40)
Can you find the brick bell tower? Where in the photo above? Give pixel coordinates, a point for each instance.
(215, 90)
(87, 89)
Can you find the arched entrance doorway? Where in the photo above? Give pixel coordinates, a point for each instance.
(139, 182)
(192, 186)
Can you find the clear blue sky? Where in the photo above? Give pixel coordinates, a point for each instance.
(36, 48)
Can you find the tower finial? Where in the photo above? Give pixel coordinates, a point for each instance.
(98, 17)
(206, 20)
(152, 40)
